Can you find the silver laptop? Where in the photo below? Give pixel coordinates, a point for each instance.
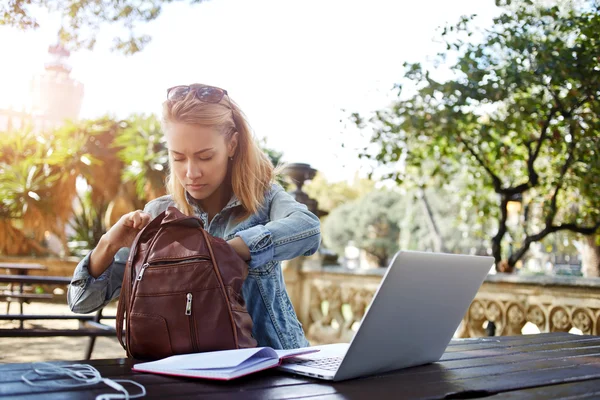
(414, 314)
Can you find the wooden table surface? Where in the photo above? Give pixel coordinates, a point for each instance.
(544, 366)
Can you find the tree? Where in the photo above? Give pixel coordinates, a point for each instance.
(371, 222)
(38, 180)
(37, 183)
(82, 19)
(143, 151)
(520, 117)
(331, 195)
(123, 162)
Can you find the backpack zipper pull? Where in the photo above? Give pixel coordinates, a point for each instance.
(188, 305)
(139, 277)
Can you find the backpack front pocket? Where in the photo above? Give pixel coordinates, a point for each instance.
(175, 276)
(149, 336)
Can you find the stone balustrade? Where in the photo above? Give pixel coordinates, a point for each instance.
(552, 303)
(330, 302)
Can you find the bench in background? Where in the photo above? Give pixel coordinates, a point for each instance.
(89, 325)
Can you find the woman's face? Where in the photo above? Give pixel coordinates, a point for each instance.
(200, 157)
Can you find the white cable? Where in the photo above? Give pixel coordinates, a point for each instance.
(84, 375)
(115, 385)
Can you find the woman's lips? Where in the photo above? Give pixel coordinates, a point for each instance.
(196, 187)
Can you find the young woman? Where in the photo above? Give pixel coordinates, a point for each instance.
(219, 174)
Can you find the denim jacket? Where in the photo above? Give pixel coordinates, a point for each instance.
(281, 230)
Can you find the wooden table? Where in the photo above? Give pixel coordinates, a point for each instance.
(541, 366)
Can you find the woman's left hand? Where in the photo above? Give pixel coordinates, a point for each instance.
(240, 248)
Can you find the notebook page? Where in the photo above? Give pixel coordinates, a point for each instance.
(221, 374)
(254, 360)
(296, 352)
(209, 360)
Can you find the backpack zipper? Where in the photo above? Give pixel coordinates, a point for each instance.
(141, 274)
(169, 263)
(188, 305)
(191, 321)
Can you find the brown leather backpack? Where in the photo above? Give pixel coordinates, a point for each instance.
(181, 291)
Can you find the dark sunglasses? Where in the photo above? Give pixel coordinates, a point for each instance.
(205, 93)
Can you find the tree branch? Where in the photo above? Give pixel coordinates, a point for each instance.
(434, 230)
(497, 239)
(531, 173)
(552, 213)
(496, 181)
(563, 171)
(561, 108)
(582, 102)
(559, 105)
(533, 176)
(584, 230)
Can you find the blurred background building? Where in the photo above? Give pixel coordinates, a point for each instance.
(55, 97)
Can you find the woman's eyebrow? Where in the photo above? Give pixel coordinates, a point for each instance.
(196, 153)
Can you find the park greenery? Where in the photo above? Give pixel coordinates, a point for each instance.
(519, 120)
(382, 220)
(74, 182)
(82, 20)
(492, 144)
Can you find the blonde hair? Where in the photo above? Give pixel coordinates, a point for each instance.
(251, 169)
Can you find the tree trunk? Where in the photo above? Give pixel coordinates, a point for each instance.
(434, 231)
(405, 237)
(501, 265)
(590, 253)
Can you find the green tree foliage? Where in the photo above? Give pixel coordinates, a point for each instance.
(142, 148)
(39, 172)
(83, 19)
(371, 222)
(87, 226)
(519, 118)
(331, 195)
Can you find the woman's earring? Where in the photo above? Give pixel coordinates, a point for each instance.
(230, 158)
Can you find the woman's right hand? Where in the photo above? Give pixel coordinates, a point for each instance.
(127, 227)
(119, 235)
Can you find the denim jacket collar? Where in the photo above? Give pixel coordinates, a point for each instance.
(233, 202)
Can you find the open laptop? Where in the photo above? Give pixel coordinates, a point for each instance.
(414, 314)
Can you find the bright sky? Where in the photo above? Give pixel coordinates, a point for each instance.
(291, 66)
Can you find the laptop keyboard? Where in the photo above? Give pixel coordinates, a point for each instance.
(330, 363)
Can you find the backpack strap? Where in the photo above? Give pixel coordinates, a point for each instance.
(123, 309)
(123, 303)
(223, 289)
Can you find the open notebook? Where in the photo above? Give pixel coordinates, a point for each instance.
(221, 365)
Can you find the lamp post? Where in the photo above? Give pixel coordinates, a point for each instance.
(299, 173)
(513, 206)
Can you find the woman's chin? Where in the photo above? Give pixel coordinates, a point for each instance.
(199, 193)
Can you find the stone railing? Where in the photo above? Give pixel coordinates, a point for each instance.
(552, 303)
(331, 301)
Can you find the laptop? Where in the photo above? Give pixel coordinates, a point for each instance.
(414, 314)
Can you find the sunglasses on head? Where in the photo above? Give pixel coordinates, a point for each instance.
(205, 93)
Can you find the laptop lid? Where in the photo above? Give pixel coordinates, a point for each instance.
(415, 312)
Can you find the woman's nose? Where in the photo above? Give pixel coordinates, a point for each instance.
(193, 171)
